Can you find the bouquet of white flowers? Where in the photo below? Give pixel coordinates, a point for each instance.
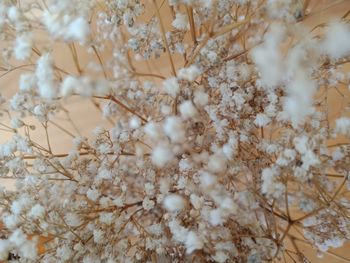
(219, 142)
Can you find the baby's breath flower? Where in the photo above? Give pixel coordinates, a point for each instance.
(206, 136)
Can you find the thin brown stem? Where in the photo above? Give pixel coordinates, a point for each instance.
(100, 61)
(192, 24)
(165, 42)
(122, 105)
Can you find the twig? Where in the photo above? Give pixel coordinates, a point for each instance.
(122, 105)
(164, 37)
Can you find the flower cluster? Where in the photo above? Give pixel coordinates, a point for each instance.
(218, 141)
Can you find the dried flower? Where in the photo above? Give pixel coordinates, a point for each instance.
(217, 140)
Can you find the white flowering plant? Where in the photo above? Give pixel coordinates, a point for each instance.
(227, 154)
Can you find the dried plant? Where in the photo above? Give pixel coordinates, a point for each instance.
(229, 153)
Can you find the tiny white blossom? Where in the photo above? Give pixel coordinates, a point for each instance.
(18, 238)
(342, 126)
(179, 232)
(72, 219)
(147, 204)
(69, 85)
(134, 123)
(337, 37)
(220, 257)
(93, 194)
(153, 130)
(193, 242)
(37, 211)
(78, 30)
(45, 75)
(216, 217)
(180, 22)
(201, 98)
(27, 81)
(174, 203)
(162, 155)
(261, 120)
(99, 237)
(64, 252)
(187, 110)
(196, 201)
(5, 248)
(174, 129)
(207, 180)
(23, 47)
(190, 73)
(217, 163)
(29, 249)
(171, 86)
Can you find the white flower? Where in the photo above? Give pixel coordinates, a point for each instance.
(193, 242)
(196, 201)
(174, 203)
(200, 98)
(261, 120)
(77, 30)
(174, 129)
(153, 130)
(212, 56)
(5, 248)
(37, 211)
(270, 185)
(93, 194)
(10, 220)
(45, 75)
(309, 159)
(13, 14)
(228, 206)
(134, 122)
(162, 155)
(337, 39)
(179, 232)
(230, 148)
(17, 207)
(333, 242)
(187, 110)
(18, 238)
(16, 123)
(337, 155)
(190, 73)
(216, 217)
(72, 219)
(147, 204)
(180, 22)
(67, 27)
(99, 237)
(171, 86)
(29, 249)
(268, 58)
(69, 86)
(220, 257)
(64, 252)
(107, 218)
(207, 180)
(39, 110)
(23, 47)
(217, 163)
(301, 144)
(119, 201)
(342, 126)
(299, 102)
(27, 81)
